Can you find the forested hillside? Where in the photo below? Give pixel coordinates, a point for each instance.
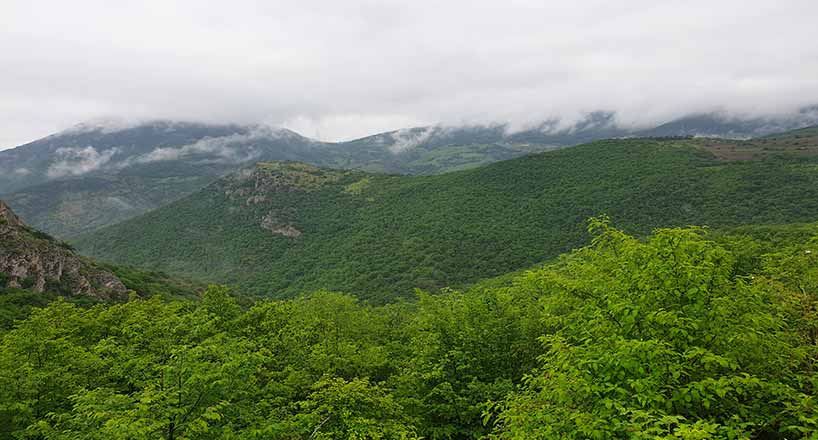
(673, 337)
(675, 333)
(100, 173)
(409, 220)
(281, 229)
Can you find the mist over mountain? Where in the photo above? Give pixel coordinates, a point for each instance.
(409, 220)
(102, 172)
(111, 146)
(720, 124)
(106, 147)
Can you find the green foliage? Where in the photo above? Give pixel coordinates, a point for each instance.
(466, 349)
(17, 304)
(337, 409)
(662, 338)
(381, 240)
(27, 282)
(149, 283)
(358, 188)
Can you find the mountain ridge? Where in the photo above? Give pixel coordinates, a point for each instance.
(383, 235)
(124, 170)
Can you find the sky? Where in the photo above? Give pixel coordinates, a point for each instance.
(337, 70)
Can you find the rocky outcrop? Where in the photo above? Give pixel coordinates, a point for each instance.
(34, 260)
(9, 221)
(253, 185)
(257, 188)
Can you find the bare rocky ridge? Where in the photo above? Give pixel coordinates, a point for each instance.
(254, 186)
(34, 260)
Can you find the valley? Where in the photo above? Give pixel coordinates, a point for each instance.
(279, 229)
(408, 220)
(103, 172)
(567, 290)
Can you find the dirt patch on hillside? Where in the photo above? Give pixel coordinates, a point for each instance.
(756, 149)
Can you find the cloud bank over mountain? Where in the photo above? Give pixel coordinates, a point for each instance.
(340, 70)
(78, 161)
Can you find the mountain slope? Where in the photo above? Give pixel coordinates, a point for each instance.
(73, 206)
(108, 148)
(33, 260)
(94, 175)
(723, 125)
(382, 235)
(801, 133)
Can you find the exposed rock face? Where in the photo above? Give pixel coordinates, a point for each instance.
(254, 184)
(256, 187)
(34, 260)
(270, 223)
(8, 219)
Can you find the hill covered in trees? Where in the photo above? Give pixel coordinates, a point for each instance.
(676, 336)
(673, 333)
(280, 229)
(103, 172)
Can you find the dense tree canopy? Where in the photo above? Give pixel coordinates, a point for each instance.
(378, 237)
(683, 335)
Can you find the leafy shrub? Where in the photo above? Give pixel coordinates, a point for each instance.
(27, 282)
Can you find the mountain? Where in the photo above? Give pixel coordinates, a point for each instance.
(807, 133)
(723, 125)
(95, 175)
(437, 149)
(33, 260)
(102, 173)
(283, 228)
(156, 147)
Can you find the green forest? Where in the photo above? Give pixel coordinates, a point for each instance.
(285, 228)
(408, 220)
(683, 334)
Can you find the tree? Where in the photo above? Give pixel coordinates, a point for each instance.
(657, 340)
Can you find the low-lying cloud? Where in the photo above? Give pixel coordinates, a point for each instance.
(234, 148)
(78, 161)
(339, 70)
(406, 139)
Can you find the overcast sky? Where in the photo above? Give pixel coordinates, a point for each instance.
(343, 69)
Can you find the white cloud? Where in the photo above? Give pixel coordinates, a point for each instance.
(103, 125)
(233, 148)
(349, 69)
(406, 139)
(78, 161)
